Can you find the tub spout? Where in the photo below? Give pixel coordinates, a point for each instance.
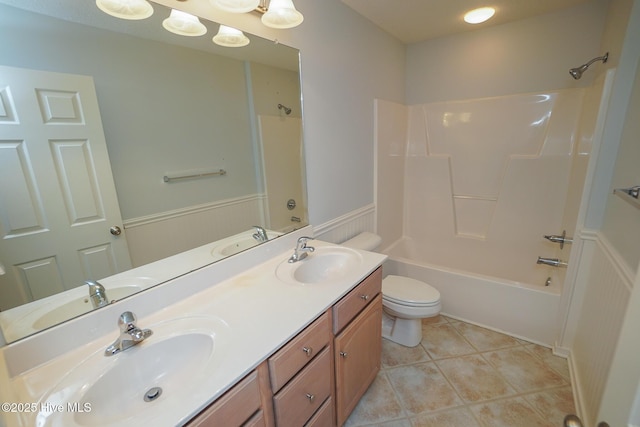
(554, 262)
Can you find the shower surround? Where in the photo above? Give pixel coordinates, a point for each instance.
(477, 184)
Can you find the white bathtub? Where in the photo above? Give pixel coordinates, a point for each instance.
(524, 309)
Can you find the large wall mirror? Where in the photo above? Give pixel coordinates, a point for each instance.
(130, 155)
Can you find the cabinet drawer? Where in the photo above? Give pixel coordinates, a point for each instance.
(298, 352)
(324, 416)
(256, 421)
(234, 408)
(356, 300)
(299, 399)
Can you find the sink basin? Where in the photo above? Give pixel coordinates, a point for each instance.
(239, 243)
(326, 264)
(153, 379)
(79, 306)
(235, 246)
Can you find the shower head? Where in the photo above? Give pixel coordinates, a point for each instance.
(576, 73)
(287, 110)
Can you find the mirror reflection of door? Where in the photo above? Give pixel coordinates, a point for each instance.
(56, 188)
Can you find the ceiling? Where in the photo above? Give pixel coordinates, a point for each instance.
(413, 21)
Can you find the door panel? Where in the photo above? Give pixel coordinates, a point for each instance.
(57, 196)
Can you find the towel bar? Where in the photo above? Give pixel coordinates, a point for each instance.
(168, 178)
(630, 195)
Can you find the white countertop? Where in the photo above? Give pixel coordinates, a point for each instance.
(261, 311)
(22, 321)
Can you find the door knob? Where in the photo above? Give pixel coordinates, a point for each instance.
(115, 230)
(572, 420)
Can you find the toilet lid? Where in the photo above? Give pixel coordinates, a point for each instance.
(407, 291)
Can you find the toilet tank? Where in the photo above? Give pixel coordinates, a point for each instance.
(365, 241)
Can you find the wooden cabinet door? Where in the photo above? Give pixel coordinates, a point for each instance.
(357, 358)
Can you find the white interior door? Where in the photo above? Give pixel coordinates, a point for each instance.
(57, 195)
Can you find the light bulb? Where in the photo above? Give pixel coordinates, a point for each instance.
(230, 37)
(477, 16)
(282, 14)
(184, 24)
(126, 9)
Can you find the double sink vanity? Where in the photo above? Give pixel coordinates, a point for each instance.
(252, 340)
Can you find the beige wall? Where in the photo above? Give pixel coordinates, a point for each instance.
(148, 114)
(613, 40)
(529, 55)
(602, 281)
(347, 62)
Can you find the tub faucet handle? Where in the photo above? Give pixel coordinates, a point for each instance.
(562, 239)
(553, 262)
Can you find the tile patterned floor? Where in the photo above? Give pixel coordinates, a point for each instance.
(462, 375)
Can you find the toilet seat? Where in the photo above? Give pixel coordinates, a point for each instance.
(409, 292)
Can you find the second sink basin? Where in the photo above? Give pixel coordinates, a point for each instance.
(235, 246)
(326, 264)
(154, 378)
(79, 306)
(239, 243)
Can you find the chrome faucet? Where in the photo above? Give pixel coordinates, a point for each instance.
(97, 294)
(130, 334)
(554, 262)
(301, 250)
(260, 235)
(562, 239)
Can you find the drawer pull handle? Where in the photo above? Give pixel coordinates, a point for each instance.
(308, 350)
(310, 397)
(364, 297)
(343, 354)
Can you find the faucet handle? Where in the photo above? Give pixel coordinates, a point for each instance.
(260, 234)
(127, 320)
(302, 241)
(97, 294)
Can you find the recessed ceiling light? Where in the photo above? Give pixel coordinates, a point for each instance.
(477, 16)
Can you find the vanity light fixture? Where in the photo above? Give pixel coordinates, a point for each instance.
(236, 6)
(279, 14)
(282, 14)
(184, 24)
(230, 37)
(477, 16)
(126, 9)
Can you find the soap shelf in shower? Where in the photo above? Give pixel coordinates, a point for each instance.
(630, 195)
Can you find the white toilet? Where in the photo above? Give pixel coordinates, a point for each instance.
(405, 301)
